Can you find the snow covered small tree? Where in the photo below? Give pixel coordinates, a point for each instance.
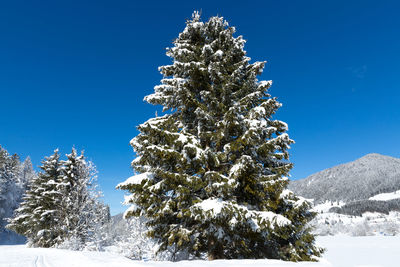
(38, 216)
(8, 178)
(82, 212)
(11, 188)
(26, 174)
(129, 236)
(7, 182)
(211, 173)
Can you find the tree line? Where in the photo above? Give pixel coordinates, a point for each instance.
(61, 204)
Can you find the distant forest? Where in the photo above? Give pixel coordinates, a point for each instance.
(357, 208)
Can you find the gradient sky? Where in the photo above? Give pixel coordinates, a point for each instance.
(74, 73)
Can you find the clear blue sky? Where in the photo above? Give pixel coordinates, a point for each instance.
(74, 73)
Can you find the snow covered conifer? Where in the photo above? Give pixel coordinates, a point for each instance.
(26, 174)
(10, 191)
(38, 216)
(82, 212)
(211, 173)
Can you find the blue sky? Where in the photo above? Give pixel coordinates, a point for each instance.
(74, 73)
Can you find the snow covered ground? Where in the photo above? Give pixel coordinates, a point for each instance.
(327, 205)
(386, 196)
(342, 251)
(369, 224)
(362, 251)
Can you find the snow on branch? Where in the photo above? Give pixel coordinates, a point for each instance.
(137, 179)
(257, 218)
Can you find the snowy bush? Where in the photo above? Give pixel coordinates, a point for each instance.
(128, 237)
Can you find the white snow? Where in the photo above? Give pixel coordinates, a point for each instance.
(260, 110)
(182, 138)
(386, 196)
(370, 223)
(219, 53)
(365, 251)
(265, 83)
(137, 179)
(342, 251)
(132, 208)
(235, 168)
(270, 216)
(214, 204)
(327, 205)
(21, 256)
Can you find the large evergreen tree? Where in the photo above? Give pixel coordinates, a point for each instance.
(211, 173)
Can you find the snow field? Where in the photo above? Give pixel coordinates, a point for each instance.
(21, 256)
(365, 251)
(342, 251)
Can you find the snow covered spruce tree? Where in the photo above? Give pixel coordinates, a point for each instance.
(26, 174)
(82, 212)
(9, 189)
(38, 216)
(211, 172)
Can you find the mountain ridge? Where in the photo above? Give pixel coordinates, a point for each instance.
(357, 180)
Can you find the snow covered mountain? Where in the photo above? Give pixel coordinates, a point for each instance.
(361, 179)
(358, 198)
